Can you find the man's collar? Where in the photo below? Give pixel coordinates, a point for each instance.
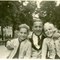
(35, 41)
(37, 36)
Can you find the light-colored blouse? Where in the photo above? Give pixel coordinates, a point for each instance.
(57, 46)
(48, 48)
(25, 49)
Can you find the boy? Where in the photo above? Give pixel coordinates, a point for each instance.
(21, 46)
(36, 38)
(25, 46)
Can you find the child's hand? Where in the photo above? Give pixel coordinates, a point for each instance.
(9, 45)
(56, 35)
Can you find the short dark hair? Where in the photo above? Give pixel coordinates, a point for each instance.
(37, 20)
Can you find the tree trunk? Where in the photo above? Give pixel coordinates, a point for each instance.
(2, 32)
(13, 30)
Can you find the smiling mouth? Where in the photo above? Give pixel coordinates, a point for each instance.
(49, 34)
(38, 31)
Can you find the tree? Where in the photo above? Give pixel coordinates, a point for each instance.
(26, 13)
(14, 13)
(8, 12)
(47, 11)
(3, 15)
(50, 12)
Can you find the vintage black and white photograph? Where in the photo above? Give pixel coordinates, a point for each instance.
(29, 29)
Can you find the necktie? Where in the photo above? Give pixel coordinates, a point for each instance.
(17, 53)
(38, 40)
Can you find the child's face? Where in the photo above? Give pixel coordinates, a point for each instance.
(23, 33)
(49, 31)
(37, 28)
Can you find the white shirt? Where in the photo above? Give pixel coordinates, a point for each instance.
(35, 41)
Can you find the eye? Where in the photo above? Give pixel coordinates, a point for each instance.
(25, 33)
(50, 29)
(40, 26)
(45, 30)
(21, 32)
(35, 26)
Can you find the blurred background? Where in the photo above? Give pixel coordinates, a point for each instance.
(15, 12)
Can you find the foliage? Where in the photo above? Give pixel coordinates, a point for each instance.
(49, 12)
(13, 13)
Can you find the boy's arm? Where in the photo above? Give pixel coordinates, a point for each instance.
(9, 45)
(13, 52)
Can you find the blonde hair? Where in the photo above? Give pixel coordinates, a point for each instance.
(50, 25)
(24, 26)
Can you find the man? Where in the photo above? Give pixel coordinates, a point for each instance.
(36, 38)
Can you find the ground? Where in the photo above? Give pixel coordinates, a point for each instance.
(3, 52)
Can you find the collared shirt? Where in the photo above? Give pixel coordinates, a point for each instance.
(35, 40)
(36, 49)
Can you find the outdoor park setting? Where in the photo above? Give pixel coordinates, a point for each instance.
(14, 13)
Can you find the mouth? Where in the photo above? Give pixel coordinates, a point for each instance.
(49, 34)
(37, 33)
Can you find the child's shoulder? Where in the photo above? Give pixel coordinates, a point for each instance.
(28, 42)
(47, 40)
(30, 34)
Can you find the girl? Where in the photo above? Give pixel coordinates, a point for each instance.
(48, 48)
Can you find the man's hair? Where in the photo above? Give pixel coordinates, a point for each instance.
(24, 26)
(37, 20)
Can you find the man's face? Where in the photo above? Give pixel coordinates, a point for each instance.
(37, 28)
(23, 33)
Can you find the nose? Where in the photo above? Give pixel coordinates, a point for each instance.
(48, 31)
(22, 34)
(38, 28)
